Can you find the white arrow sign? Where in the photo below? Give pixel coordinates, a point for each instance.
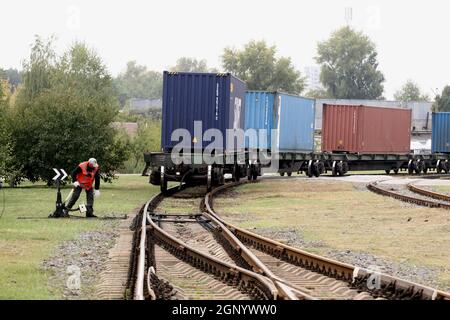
(59, 173)
(65, 174)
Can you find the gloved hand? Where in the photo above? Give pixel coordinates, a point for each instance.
(76, 184)
(97, 193)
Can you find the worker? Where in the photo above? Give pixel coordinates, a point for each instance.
(83, 178)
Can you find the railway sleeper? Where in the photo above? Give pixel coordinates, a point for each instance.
(231, 276)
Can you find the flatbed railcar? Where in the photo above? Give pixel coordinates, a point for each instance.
(166, 167)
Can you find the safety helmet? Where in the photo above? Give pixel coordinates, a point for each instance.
(93, 163)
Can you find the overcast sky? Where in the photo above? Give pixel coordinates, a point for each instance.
(411, 36)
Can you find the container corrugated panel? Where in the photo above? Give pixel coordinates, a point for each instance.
(259, 114)
(440, 135)
(363, 129)
(292, 115)
(295, 123)
(421, 110)
(217, 100)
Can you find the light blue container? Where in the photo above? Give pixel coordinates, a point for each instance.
(440, 134)
(292, 115)
(259, 114)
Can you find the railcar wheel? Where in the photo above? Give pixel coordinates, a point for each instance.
(342, 168)
(163, 180)
(411, 166)
(387, 171)
(155, 177)
(236, 174)
(396, 171)
(289, 174)
(309, 171)
(318, 168)
(334, 169)
(419, 167)
(249, 173)
(282, 174)
(209, 179)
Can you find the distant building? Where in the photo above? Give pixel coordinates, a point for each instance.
(145, 104)
(312, 74)
(129, 127)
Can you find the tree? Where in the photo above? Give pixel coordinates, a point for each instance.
(66, 118)
(258, 66)
(186, 64)
(442, 102)
(138, 82)
(410, 92)
(349, 66)
(39, 68)
(318, 94)
(147, 138)
(13, 78)
(5, 146)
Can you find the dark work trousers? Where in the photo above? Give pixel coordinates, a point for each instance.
(89, 200)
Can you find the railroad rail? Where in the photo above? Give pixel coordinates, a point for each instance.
(263, 269)
(374, 187)
(254, 284)
(429, 193)
(389, 287)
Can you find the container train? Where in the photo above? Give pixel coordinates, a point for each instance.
(212, 126)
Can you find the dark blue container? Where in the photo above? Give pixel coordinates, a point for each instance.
(440, 134)
(215, 99)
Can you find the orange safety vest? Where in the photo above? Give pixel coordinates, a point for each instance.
(86, 178)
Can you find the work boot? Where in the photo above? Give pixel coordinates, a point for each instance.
(91, 215)
(65, 213)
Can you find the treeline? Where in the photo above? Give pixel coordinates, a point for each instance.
(59, 109)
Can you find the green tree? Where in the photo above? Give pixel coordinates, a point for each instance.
(349, 66)
(442, 102)
(410, 92)
(5, 146)
(186, 64)
(258, 66)
(147, 138)
(138, 82)
(65, 119)
(39, 68)
(318, 94)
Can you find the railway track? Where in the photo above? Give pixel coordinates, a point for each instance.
(429, 193)
(211, 276)
(426, 198)
(389, 287)
(184, 255)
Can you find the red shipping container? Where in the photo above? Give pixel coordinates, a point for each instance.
(363, 129)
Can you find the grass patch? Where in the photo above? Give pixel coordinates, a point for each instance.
(25, 243)
(344, 218)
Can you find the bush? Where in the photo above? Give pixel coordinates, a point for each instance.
(63, 114)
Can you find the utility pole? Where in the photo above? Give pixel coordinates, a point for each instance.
(348, 15)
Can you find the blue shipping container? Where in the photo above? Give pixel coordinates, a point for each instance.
(292, 115)
(259, 114)
(440, 135)
(217, 100)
